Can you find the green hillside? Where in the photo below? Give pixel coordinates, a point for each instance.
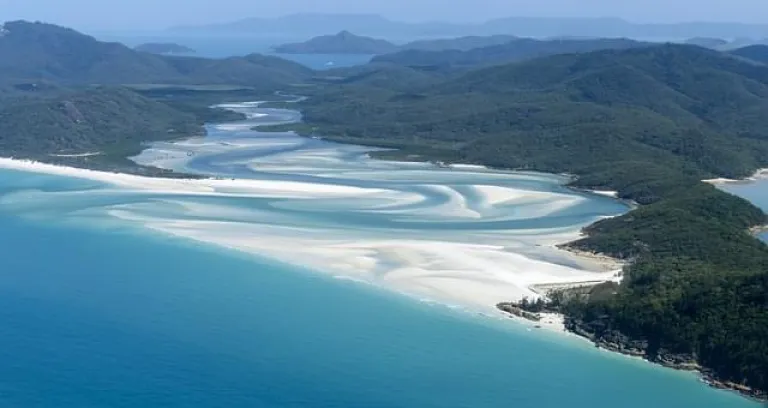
(649, 122)
(111, 123)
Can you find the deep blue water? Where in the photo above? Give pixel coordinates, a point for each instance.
(105, 315)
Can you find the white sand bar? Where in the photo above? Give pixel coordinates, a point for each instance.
(389, 234)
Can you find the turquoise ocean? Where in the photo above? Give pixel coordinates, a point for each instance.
(98, 311)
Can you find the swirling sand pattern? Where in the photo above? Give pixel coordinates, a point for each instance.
(463, 235)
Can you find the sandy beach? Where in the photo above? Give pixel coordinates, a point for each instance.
(476, 275)
(759, 174)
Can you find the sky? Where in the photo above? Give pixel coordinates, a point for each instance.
(158, 14)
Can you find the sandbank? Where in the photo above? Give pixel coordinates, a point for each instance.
(476, 272)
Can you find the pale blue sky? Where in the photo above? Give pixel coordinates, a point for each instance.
(154, 14)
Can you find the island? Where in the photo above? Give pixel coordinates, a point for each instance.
(708, 42)
(164, 48)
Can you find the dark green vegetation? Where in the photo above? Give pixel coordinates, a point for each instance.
(649, 122)
(342, 43)
(511, 51)
(100, 126)
(65, 96)
(698, 286)
(164, 48)
(96, 128)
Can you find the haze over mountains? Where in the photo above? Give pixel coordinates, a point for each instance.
(45, 52)
(311, 24)
(515, 50)
(346, 42)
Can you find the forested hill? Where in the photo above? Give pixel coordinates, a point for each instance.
(110, 123)
(514, 50)
(649, 122)
(693, 111)
(45, 52)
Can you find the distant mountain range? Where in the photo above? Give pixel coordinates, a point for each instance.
(309, 24)
(347, 43)
(512, 51)
(47, 53)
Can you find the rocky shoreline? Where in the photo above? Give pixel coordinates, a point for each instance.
(617, 342)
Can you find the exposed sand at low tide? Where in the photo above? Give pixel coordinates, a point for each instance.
(477, 275)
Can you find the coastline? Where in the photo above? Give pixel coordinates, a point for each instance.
(618, 343)
(757, 175)
(556, 321)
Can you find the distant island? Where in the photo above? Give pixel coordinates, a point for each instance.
(708, 42)
(342, 43)
(164, 48)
